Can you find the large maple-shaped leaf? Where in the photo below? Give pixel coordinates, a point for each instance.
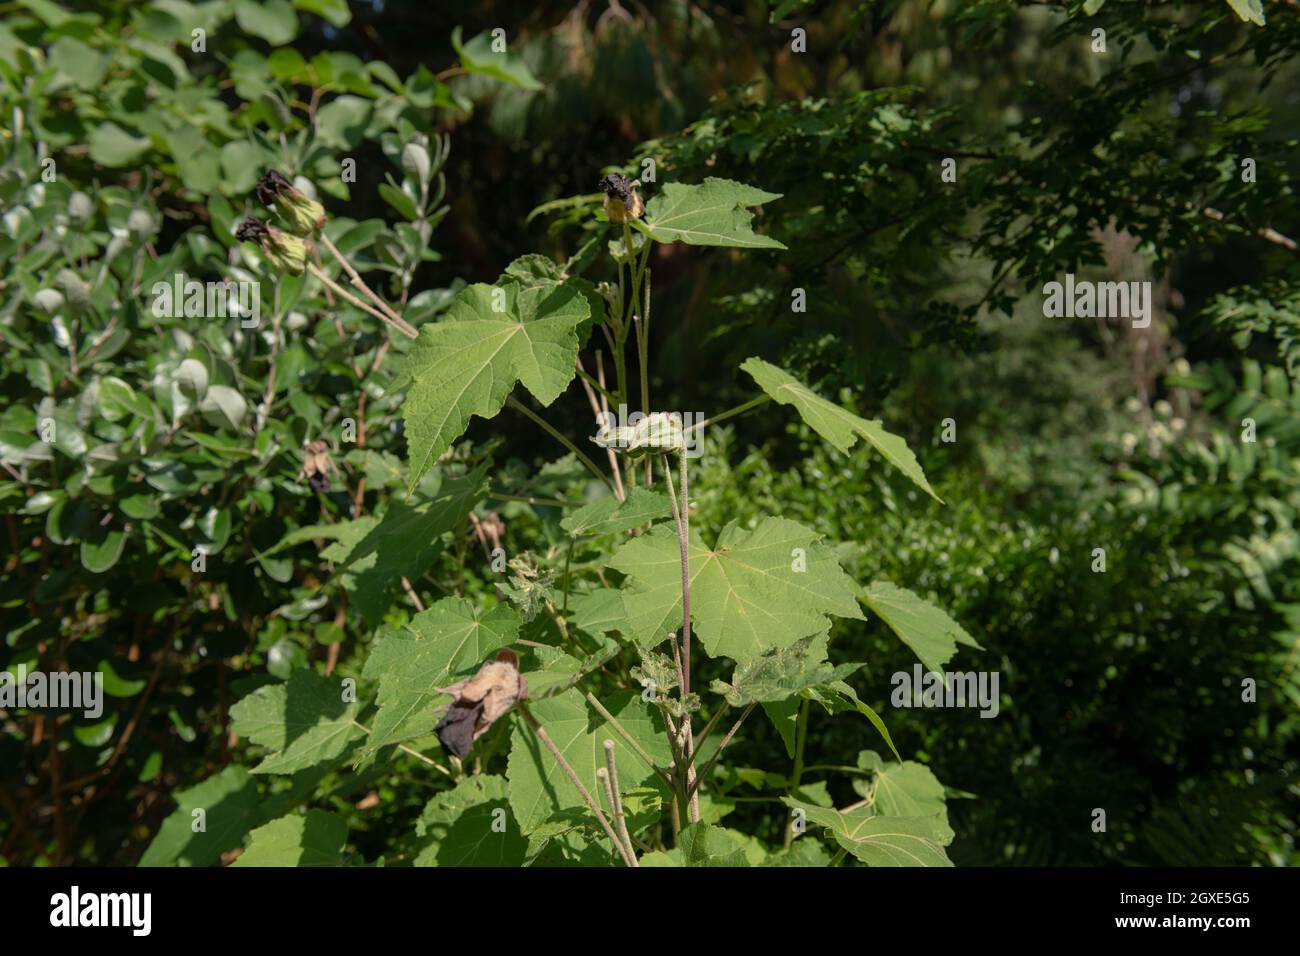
(901, 789)
(836, 424)
(304, 722)
(462, 830)
(539, 787)
(315, 838)
(447, 641)
(883, 841)
(746, 594)
(468, 363)
(712, 213)
(926, 629)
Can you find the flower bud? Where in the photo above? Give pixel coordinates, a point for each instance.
(285, 252)
(303, 215)
(622, 203)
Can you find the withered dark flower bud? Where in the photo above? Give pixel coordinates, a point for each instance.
(622, 202)
(251, 230)
(479, 701)
(285, 252)
(303, 215)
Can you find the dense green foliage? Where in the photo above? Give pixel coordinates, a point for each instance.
(287, 544)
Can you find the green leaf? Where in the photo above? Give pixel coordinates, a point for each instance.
(1252, 11)
(599, 611)
(746, 594)
(846, 698)
(477, 56)
(230, 806)
(304, 722)
(800, 853)
(102, 552)
(780, 673)
(272, 20)
(447, 641)
(712, 213)
(883, 841)
(110, 145)
(371, 555)
(468, 363)
(466, 829)
(702, 844)
(927, 630)
(906, 789)
(550, 671)
(610, 516)
(334, 12)
(837, 425)
(343, 120)
(539, 787)
(315, 838)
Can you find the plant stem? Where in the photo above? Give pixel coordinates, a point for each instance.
(627, 737)
(410, 752)
(546, 740)
(800, 739)
(400, 325)
(730, 413)
(725, 740)
(616, 800)
(560, 437)
(369, 292)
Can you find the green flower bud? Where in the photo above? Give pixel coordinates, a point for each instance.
(304, 216)
(286, 253)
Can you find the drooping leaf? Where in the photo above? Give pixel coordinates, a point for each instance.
(780, 673)
(747, 595)
(842, 697)
(834, 423)
(926, 629)
(478, 56)
(304, 722)
(447, 641)
(468, 363)
(314, 838)
(540, 788)
(610, 516)
(712, 213)
(883, 841)
(471, 825)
